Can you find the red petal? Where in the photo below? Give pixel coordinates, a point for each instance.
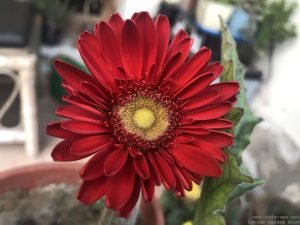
(83, 127)
(163, 34)
(216, 68)
(170, 67)
(151, 75)
(75, 100)
(194, 160)
(184, 177)
(73, 112)
(193, 131)
(179, 189)
(210, 149)
(56, 130)
(209, 124)
(211, 111)
(96, 91)
(131, 49)
(148, 36)
(141, 167)
(201, 99)
(93, 101)
(195, 86)
(90, 145)
(110, 45)
(73, 75)
(115, 161)
(216, 124)
(155, 176)
(135, 16)
(167, 156)
(183, 139)
(89, 46)
(184, 47)
(187, 121)
(134, 152)
(166, 172)
(226, 89)
(232, 100)
(91, 191)
(88, 100)
(61, 152)
(148, 188)
(196, 177)
(119, 188)
(127, 208)
(178, 38)
(91, 53)
(168, 85)
(193, 66)
(94, 167)
(116, 22)
(222, 139)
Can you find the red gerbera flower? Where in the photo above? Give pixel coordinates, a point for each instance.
(147, 114)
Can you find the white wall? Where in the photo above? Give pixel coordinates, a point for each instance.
(279, 98)
(128, 7)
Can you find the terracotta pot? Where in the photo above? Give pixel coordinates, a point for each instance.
(28, 177)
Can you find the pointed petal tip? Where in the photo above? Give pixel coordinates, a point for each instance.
(57, 62)
(115, 15)
(144, 13)
(115, 162)
(91, 191)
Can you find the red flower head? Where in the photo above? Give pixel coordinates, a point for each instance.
(146, 115)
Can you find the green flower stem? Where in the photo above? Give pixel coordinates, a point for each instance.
(106, 217)
(202, 201)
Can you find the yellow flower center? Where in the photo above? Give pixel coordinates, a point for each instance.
(145, 118)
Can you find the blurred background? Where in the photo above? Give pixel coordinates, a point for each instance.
(34, 32)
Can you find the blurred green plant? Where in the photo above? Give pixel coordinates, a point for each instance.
(274, 24)
(180, 211)
(271, 21)
(54, 11)
(231, 2)
(177, 211)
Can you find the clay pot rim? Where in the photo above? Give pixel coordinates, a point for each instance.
(38, 166)
(30, 176)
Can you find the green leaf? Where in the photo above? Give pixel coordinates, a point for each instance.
(215, 193)
(234, 70)
(244, 187)
(235, 180)
(235, 116)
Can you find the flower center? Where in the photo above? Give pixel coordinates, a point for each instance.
(145, 118)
